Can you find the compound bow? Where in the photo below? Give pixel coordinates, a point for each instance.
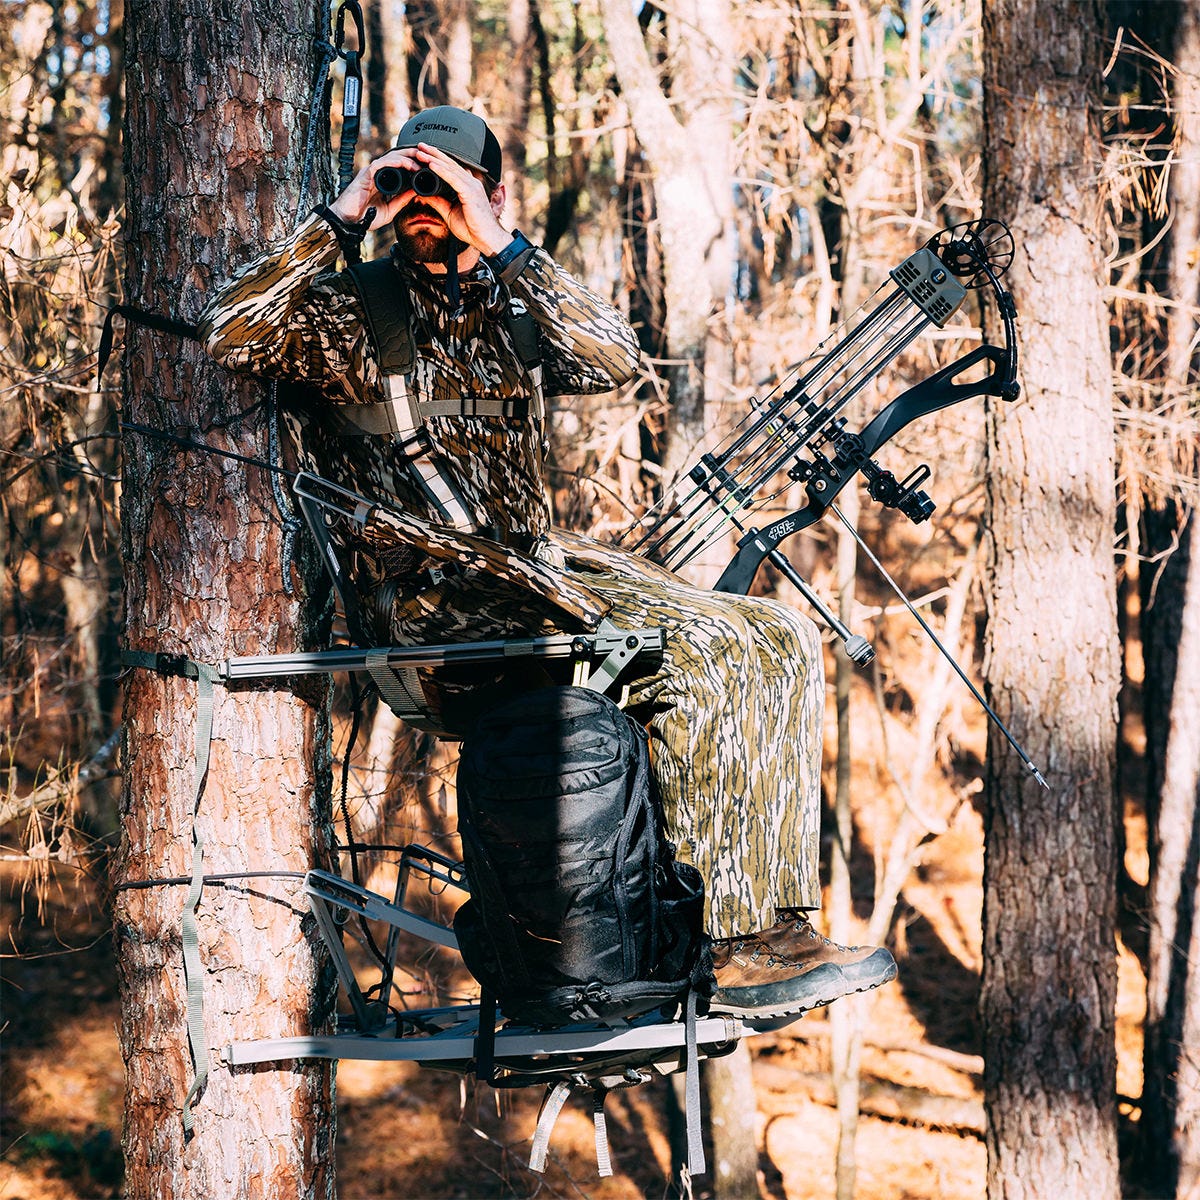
(800, 435)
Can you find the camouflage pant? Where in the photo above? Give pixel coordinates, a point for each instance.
(735, 718)
(734, 715)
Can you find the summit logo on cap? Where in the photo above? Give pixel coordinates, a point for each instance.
(461, 134)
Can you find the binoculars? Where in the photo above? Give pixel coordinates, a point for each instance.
(391, 181)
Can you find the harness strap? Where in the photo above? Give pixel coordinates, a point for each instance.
(603, 1159)
(193, 968)
(434, 481)
(380, 419)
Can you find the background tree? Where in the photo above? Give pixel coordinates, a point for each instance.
(1169, 1131)
(686, 134)
(216, 117)
(1049, 977)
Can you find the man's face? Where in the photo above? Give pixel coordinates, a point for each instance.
(420, 225)
(421, 229)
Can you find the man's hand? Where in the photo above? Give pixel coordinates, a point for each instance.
(361, 192)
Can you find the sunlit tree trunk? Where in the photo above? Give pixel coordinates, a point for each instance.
(518, 81)
(214, 139)
(1052, 666)
(387, 69)
(687, 139)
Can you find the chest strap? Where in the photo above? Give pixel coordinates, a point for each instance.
(381, 419)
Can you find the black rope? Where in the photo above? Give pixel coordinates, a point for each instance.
(287, 510)
(187, 443)
(182, 880)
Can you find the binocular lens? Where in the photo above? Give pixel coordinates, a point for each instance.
(391, 181)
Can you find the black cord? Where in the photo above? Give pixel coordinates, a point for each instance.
(191, 444)
(357, 699)
(181, 880)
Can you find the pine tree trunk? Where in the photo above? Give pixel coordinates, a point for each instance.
(1169, 1130)
(1052, 669)
(214, 142)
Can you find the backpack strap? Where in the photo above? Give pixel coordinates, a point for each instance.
(523, 330)
(389, 313)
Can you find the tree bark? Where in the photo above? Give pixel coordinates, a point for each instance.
(1169, 1130)
(214, 141)
(1052, 666)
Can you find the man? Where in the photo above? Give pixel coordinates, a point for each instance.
(450, 437)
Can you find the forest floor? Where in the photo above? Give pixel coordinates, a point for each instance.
(407, 1134)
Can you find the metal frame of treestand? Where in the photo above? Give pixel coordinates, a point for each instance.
(467, 1038)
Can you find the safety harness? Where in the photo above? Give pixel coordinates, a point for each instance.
(403, 414)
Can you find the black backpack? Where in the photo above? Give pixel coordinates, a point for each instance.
(578, 909)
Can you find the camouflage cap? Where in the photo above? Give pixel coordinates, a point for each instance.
(459, 133)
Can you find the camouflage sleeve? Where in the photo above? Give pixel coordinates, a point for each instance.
(587, 345)
(286, 314)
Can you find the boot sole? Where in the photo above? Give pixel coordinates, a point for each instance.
(765, 1006)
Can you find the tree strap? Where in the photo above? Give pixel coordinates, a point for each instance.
(193, 970)
(150, 320)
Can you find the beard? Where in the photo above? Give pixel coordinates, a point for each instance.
(424, 244)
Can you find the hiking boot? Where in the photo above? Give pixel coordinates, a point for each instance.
(790, 968)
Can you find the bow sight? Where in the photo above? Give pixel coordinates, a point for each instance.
(799, 434)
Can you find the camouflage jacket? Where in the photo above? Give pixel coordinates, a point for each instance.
(291, 315)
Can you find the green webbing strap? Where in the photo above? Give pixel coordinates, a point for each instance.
(401, 688)
(193, 971)
(695, 1136)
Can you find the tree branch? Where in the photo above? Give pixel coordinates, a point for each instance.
(63, 785)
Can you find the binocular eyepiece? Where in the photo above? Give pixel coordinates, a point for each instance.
(391, 181)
